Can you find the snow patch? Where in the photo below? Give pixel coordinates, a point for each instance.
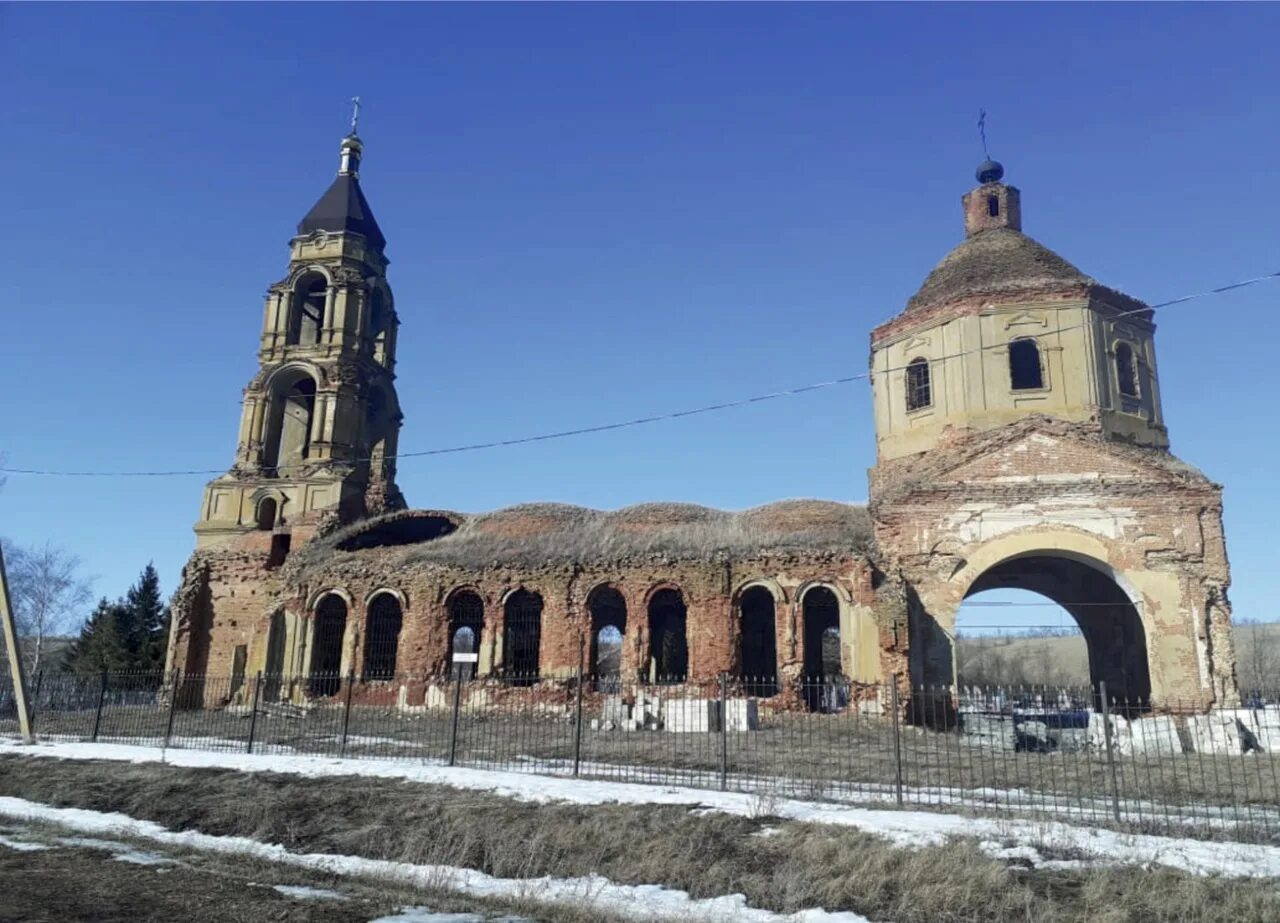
(636, 902)
(302, 892)
(20, 845)
(902, 828)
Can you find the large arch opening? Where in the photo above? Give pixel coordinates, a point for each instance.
(608, 627)
(668, 644)
(522, 637)
(306, 310)
(758, 654)
(326, 654)
(466, 623)
(824, 686)
(382, 637)
(288, 437)
(1114, 638)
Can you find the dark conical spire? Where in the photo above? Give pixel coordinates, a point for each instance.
(343, 207)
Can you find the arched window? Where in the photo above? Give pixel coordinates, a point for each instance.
(1126, 370)
(668, 644)
(466, 623)
(759, 653)
(522, 636)
(821, 650)
(326, 654)
(267, 514)
(822, 662)
(306, 310)
(608, 625)
(377, 311)
(382, 637)
(288, 437)
(273, 665)
(1025, 372)
(919, 388)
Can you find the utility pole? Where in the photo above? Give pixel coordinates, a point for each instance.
(15, 657)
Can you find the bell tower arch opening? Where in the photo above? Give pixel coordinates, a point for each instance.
(1114, 635)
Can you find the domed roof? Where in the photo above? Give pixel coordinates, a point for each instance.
(557, 533)
(1000, 261)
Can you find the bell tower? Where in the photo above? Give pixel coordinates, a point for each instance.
(320, 419)
(1003, 329)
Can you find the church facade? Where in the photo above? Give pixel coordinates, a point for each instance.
(1020, 443)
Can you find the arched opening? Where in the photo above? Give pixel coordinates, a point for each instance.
(466, 623)
(1009, 637)
(522, 637)
(267, 514)
(306, 310)
(273, 663)
(608, 626)
(758, 654)
(1114, 638)
(919, 386)
(825, 689)
(377, 311)
(1025, 371)
(382, 637)
(1126, 370)
(288, 441)
(326, 653)
(668, 644)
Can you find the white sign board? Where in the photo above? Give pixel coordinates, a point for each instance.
(465, 658)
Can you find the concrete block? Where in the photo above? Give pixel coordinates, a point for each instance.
(615, 709)
(1215, 732)
(1157, 735)
(1121, 737)
(741, 715)
(437, 698)
(993, 731)
(691, 715)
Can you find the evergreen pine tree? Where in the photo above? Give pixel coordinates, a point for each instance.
(99, 646)
(145, 626)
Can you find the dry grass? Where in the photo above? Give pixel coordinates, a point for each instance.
(537, 534)
(708, 855)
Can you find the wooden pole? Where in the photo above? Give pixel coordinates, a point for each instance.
(15, 657)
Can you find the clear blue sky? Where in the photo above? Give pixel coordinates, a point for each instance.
(600, 212)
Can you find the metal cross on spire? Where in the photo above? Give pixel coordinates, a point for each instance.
(982, 130)
(355, 113)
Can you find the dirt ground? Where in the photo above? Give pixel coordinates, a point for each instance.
(53, 876)
(780, 865)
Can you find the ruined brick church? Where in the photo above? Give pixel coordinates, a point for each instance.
(1020, 443)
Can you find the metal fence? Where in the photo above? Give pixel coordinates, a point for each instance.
(1075, 755)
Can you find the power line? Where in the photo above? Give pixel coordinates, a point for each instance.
(656, 418)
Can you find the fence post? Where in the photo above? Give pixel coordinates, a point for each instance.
(897, 736)
(253, 713)
(1111, 758)
(724, 732)
(346, 714)
(102, 697)
(457, 705)
(173, 706)
(577, 725)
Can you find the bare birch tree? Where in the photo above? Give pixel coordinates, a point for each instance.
(47, 592)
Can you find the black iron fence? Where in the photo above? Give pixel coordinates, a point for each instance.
(1074, 755)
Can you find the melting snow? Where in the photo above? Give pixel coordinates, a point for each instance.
(20, 845)
(903, 828)
(302, 892)
(637, 902)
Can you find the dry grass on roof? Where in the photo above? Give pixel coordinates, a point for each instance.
(549, 533)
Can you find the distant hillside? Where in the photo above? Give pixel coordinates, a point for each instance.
(1063, 661)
